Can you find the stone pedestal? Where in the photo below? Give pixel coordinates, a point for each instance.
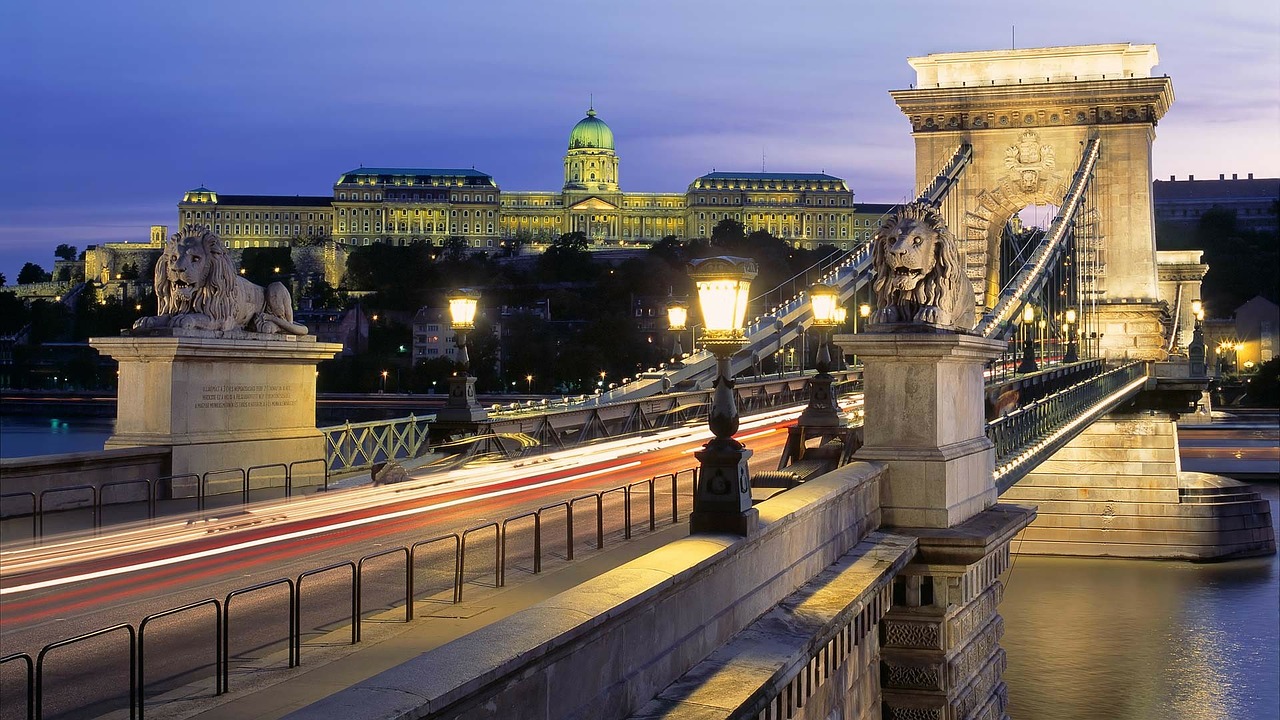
(722, 497)
(925, 419)
(219, 400)
(940, 642)
(462, 406)
(1130, 331)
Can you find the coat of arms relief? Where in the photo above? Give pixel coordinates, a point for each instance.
(1029, 162)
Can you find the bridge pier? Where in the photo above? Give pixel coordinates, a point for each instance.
(925, 419)
(1118, 490)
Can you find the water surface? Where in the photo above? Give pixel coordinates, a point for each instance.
(1143, 640)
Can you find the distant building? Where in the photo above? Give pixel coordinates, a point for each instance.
(400, 206)
(1258, 332)
(1184, 201)
(432, 335)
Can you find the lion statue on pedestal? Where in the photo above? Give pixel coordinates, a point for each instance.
(197, 288)
(919, 277)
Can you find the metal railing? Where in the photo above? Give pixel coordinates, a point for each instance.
(1028, 435)
(506, 534)
(354, 446)
(157, 497)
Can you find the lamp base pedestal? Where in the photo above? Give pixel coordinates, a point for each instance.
(822, 410)
(461, 405)
(722, 496)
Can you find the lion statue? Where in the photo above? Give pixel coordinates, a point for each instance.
(919, 277)
(197, 288)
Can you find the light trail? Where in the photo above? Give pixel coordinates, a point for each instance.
(305, 533)
(368, 502)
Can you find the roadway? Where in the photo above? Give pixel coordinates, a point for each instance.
(77, 584)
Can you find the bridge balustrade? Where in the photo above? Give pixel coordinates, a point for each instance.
(1028, 435)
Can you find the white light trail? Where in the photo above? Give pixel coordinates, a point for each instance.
(303, 533)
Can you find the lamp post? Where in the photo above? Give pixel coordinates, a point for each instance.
(529, 379)
(462, 405)
(821, 410)
(1042, 335)
(1073, 350)
(384, 382)
(841, 314)
(1196, 349)
(1028, 364)
(677, 320)
(722, 495)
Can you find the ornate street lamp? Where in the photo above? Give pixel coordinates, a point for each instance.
(677, 321)
(722, 496)
(462, 405)
(1073, 349)
(821, 410)
(1028, 364)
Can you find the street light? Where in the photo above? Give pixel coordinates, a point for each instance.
(821, 410)
(677, 321)
(722, 496)
(461, 405)
(384, 382)
(1073, 349)
(529, 379)
(1028, 364)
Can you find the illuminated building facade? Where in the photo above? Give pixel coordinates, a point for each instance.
(408, 205)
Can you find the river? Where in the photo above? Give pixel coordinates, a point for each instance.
(1144, 639)
(1086, 639)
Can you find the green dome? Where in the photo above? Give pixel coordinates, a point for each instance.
(591, 132)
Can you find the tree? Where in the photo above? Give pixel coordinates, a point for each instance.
(512, 246)
(401, 275)
(266, 265)
(456, 248)
(566, 259)
(728, 234)
(65, 252)
(32, 273)
(1264, 386)
(3, 279)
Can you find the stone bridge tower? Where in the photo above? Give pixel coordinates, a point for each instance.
(1028, 114)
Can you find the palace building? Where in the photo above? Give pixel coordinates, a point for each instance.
(410, 205)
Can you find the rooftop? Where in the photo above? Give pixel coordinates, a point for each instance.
(816, 177)
(1216, 189)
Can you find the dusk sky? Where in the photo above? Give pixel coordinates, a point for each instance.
(112, 110)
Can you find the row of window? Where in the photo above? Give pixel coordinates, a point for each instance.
(377, 197)
(257, 229)
(437, 241)
(828, 187)
(220, 215)
(728, 200)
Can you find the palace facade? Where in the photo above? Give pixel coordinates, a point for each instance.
(409, 205)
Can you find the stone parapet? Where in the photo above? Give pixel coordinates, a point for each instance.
(605, 648)
(814, 656)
